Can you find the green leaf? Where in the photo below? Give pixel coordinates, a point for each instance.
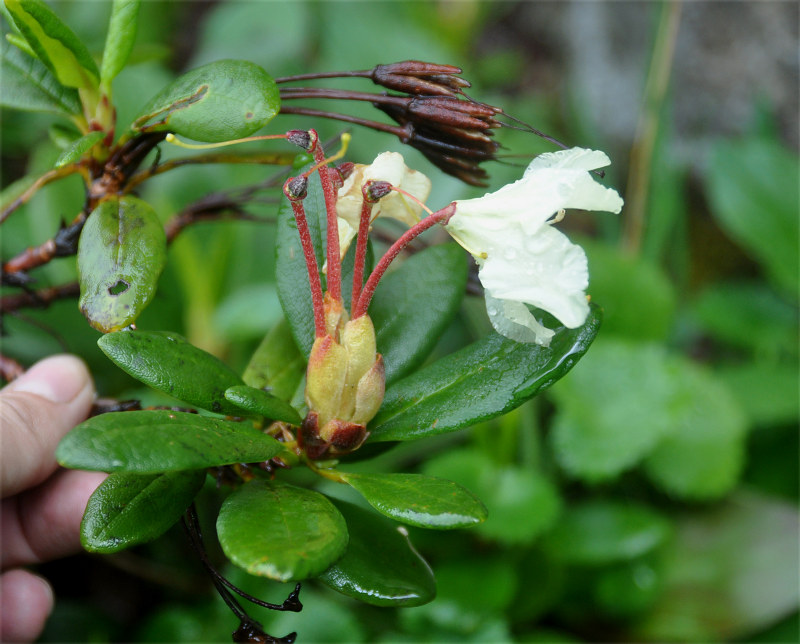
(415, 303)
(120, 38)
(133, 508)
(596, 533)
(769, 394)
(731, 573)
(280, 531)
(481, 381)
(224, 100)
(521, 503)
(380, 566)
(703, 455)
(638, 299)
(54, 43)
(752, 187)
(750, 316)
(614, 408)
(78, 148)
(146, 442)
(276, 365)
(258, 401)
(168, 362)
(121, 253)
(26, 84)
(424, 501)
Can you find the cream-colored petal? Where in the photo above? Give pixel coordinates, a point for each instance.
(574, 158)
(545, 270)
(514, 321)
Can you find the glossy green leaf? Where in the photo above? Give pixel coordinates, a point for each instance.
(223, 100)
(424, 501)
(481, 381)
(522, 504)
(602, 532)
(168, 362)
(121, 253)
(702, 457)
(26, 84)
(78, 148)
(280, 531)
(380, 566)
(276, 365)
(752, 187)
(258, 401)
(152, 441)
(136, 508)
(54, 43)
(120, 37)
(415, 303)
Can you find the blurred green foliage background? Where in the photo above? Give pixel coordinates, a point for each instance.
(652, 494)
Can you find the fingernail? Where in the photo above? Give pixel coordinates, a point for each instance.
(58, 379)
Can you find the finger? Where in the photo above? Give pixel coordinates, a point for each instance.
(25, 603)
(44, 523)
(36, 410)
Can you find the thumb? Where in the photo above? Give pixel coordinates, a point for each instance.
(36, 410)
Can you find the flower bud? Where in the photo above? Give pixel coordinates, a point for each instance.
(345, 384)
(325, 378)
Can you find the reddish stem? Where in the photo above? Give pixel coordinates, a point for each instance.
(334, 262)
(311, 265)
(361, 249)
(439, 217)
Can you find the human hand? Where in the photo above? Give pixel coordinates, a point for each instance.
(42, 505)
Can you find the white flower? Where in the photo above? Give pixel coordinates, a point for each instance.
(388, 166)
(522, 258)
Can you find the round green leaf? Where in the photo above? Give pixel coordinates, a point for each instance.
(703, 455)
(614, 408)
(168, 362)
(162, 441)
(521, 503)
(121, 253)
(600, 532)
(133, 508)
(423, 501)
(257, 401)
(280, 531)
(220, 101)
(481, 381)
(380, 566)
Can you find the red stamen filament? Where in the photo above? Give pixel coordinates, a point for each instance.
(311, 264)
(440, 217)
(361, 250)
(334, 262)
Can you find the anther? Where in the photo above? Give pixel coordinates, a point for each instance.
(296, 188)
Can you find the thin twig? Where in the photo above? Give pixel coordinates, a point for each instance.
(641, 159)
(42, 181)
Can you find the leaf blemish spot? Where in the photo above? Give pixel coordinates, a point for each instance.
(120, 287)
